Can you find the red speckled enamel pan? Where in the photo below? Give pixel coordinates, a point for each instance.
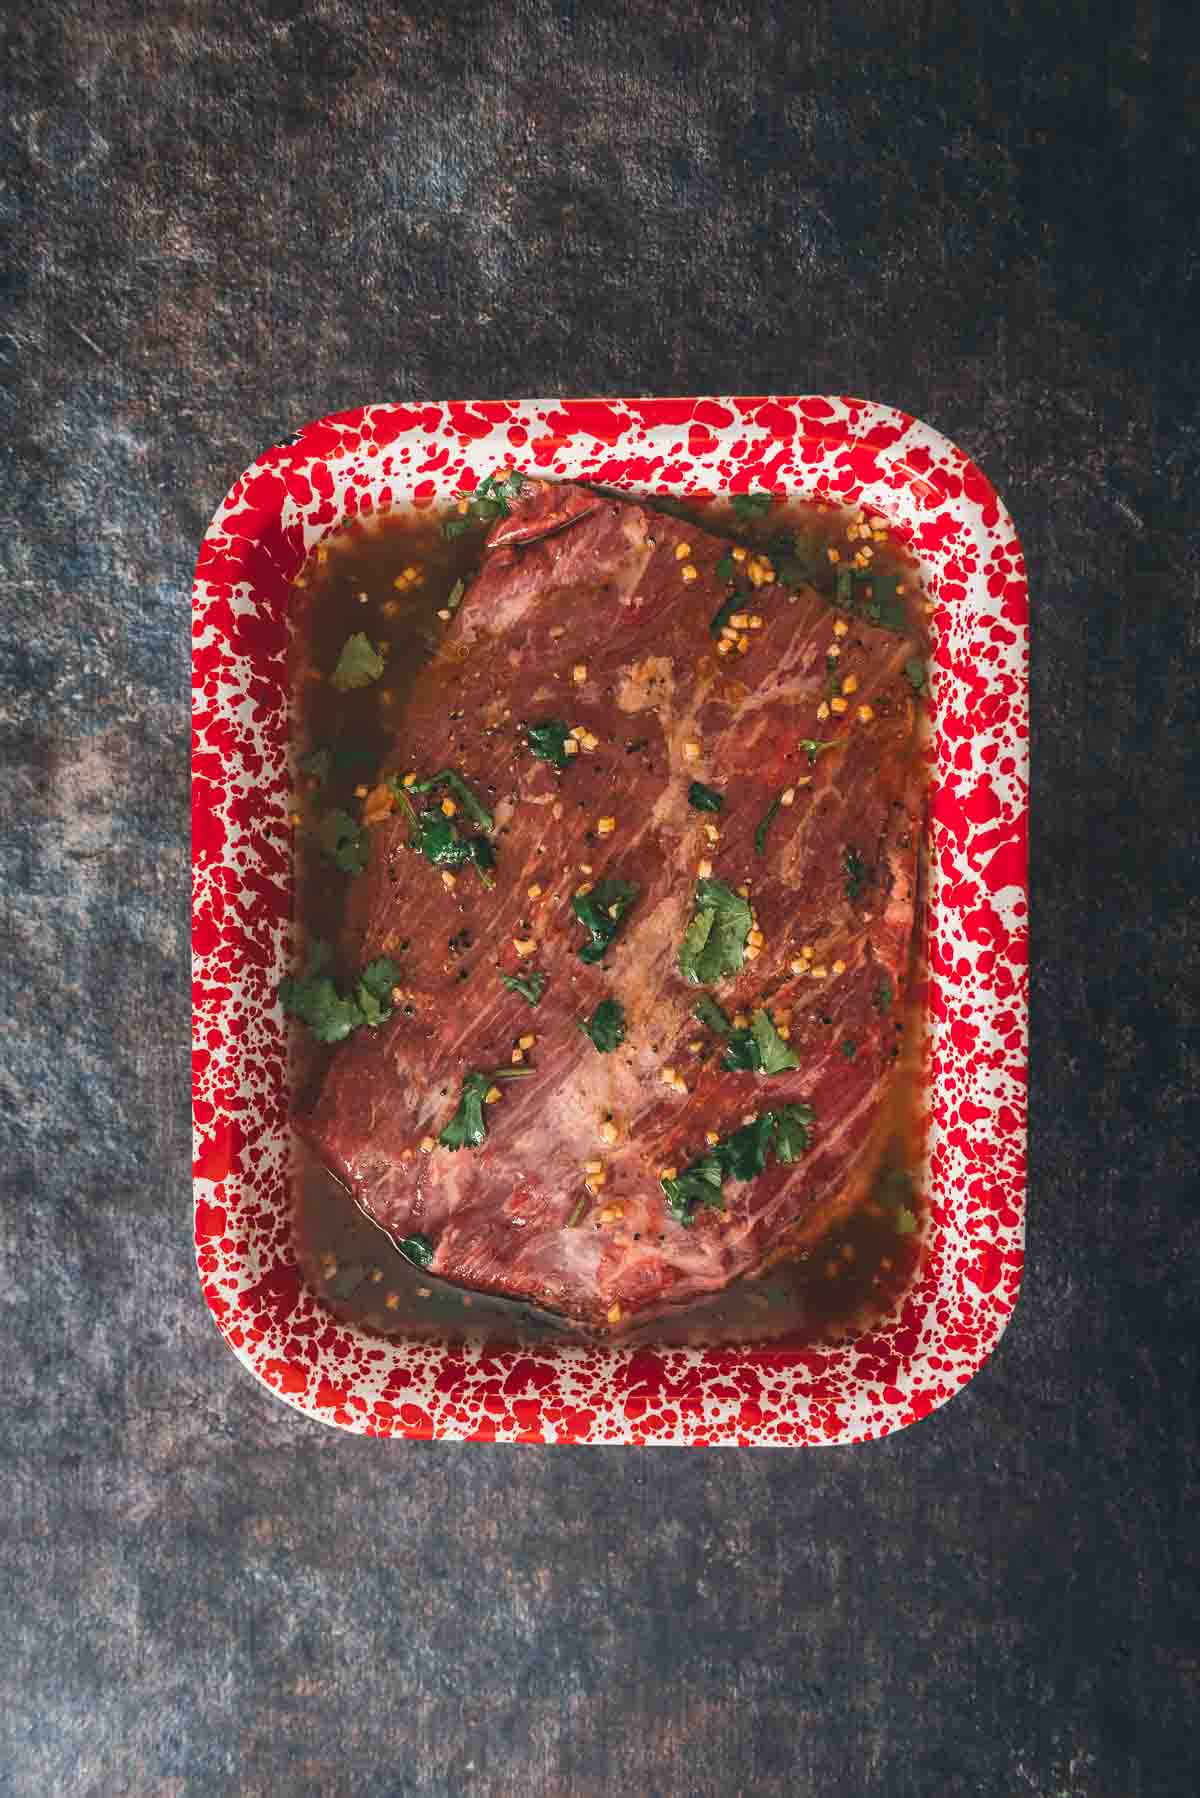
(843, 450)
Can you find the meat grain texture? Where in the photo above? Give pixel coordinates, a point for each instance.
(582, 612)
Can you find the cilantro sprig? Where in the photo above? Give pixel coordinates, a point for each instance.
(714, 944)
(752, 505)
(784, 1132)
(332, 1016)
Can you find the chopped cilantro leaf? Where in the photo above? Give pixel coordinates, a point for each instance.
(343, 840)
(917, 675)
(768, 818)
(548, 741)
(883, 996)
(752, 505)
(456, 527)
(417, 1249)
(759, 1050)
(468, 1127)
(710, 1013)
(601, 911)
(726, 567)
(359, 663)
(704, 799)
(741, 1056)
(775, 1055)
(530, 986)
(856, 873)
(813, 746)
(714, 944)
(906, 1222)
(792, 1132)
(849, 1047)
(454, 598)
(606, 1026)
(844, 592)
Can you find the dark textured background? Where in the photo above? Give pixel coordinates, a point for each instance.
(224, 219)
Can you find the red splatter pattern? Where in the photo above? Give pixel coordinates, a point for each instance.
(843, 449)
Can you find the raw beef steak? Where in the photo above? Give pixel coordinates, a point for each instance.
(788, 909)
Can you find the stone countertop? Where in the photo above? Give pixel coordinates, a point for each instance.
(225, 219)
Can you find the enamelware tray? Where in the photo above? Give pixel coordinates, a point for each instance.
(848, 451)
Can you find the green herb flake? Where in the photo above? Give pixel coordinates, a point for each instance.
(752, 505)
(359, 664)
(906, 1223)
(697, 1188)
(917, 675)
(606, 1026)
(529, 986)
(710, 1013)
(417, 1249)
(472, 806)
(844, 591)
(856, 873)
(726, 568)
(704, 799)
(715, 941)
(793, 1131)
(883, 996)
(814, 746)
(768, 818)
(343, 839)
(725, 612)
(785, 1132)
(848, 1047)
(467, 1129)
(601, 912)
(548, 741)
(454, 598)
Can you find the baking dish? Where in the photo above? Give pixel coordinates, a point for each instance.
(844, 450)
